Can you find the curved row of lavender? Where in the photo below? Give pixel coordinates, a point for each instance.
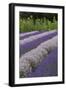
(30, 34)
(34, 37)
(33, 44)
(30, 60)
(27, 33)
(47, 67)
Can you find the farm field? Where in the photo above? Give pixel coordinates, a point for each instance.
(38, 54)
(38, 45)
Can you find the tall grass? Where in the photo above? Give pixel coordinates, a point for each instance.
(28, 24)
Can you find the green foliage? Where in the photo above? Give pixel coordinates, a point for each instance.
(27, 25)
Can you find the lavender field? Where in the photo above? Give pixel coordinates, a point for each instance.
(38, 44)
(38, 54)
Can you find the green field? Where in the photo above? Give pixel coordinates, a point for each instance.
(30, 24)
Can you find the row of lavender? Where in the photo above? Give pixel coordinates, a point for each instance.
(34, 49)
(33, 41)
(48, 66)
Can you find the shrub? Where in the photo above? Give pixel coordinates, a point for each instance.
(27, 24)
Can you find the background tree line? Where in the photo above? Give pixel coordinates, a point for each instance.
(37, 21)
